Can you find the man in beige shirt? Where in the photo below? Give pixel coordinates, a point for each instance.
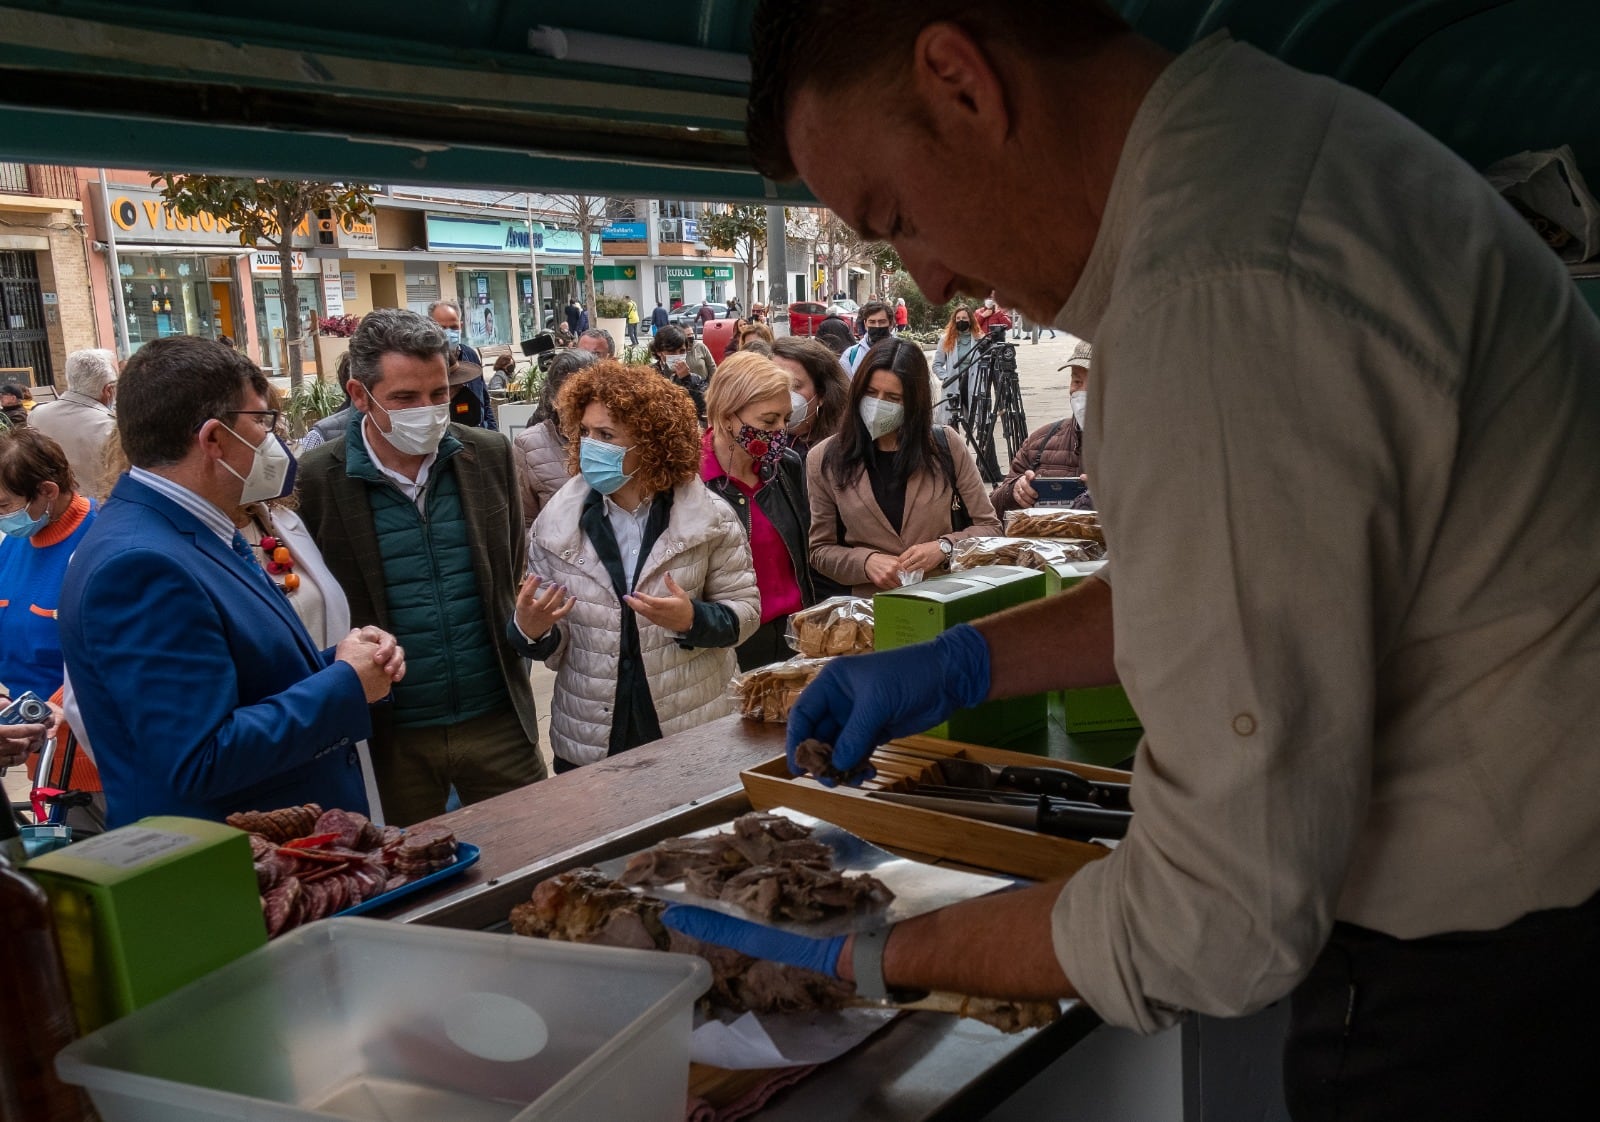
(81, 421)
(1342, 434)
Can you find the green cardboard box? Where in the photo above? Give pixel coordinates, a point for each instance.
(1090, 710)
(147, 908)
(919, 612)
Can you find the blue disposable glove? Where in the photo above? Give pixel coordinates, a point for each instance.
(859, 702)
(755, 939)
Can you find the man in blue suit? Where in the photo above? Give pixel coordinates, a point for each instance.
(200, 689)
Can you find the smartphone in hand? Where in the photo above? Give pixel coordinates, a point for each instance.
(1057, 491)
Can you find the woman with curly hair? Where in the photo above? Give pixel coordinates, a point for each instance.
(640, 582)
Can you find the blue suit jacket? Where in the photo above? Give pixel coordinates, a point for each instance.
(201, 691)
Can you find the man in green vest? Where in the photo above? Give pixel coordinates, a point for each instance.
(420, 521)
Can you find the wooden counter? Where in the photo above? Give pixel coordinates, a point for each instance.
(581, 807)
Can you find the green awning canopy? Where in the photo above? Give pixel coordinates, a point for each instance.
(630, 99)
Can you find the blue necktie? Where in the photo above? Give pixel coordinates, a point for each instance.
(247, 555)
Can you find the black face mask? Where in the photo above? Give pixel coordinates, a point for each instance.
(963, 325)
(877, 334)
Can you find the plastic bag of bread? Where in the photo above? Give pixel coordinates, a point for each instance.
(1054, 522)
(767, 693)
(838, 626)
(1030, 553)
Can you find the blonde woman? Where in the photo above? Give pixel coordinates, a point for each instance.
(747, 457)
(639, 579)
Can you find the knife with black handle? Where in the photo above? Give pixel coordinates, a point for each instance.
(1056, 817)
(1057, 782)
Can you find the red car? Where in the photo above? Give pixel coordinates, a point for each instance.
(804, 315)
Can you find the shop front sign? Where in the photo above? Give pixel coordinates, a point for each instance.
(625, 232)
(466, 233)
(694, 272)
(139, 214)
(269, 261)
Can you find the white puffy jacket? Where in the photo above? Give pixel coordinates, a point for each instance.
(707, 552)
(541, 460)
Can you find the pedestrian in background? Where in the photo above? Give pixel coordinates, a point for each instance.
(658, 318)
(901, 316)
(82, 420)
(689, 369)
(469, 398)
(633, 322)
(43, 519)
(16, 413)
(541, 449)
(951, 357)
(819, 381)
(1054, 451)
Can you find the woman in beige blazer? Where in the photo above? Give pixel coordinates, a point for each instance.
(887, 489)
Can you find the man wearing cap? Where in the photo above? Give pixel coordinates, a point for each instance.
(469, 393)
(1054, 451)
(11, 405)
(420, 521)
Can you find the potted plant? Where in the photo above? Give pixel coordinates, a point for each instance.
(612, 312)
(333, 340)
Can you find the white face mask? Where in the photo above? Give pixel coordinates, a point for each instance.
(269, 471)
(881, 417)
(417, 431)
(799, 408)
(677, 363)
(1080, 406)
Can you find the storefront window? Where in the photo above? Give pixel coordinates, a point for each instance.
(171, 294)
(530, 321)
(486, 314)
(269, 318)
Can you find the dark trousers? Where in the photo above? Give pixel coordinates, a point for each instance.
(766, 646)
(1494, 1026)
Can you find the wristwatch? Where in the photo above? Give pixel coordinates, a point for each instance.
(946, 548)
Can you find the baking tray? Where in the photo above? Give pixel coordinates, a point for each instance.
(466, 855)
(917, 888)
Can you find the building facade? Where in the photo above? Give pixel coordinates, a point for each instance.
(46, 306)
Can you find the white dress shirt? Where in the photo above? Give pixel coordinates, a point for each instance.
(628, 527)
(1341, 433)
(413, 489)
(203, 509)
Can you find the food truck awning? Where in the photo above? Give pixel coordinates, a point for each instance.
(619, 98)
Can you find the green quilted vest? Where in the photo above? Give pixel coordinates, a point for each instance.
(452, 669)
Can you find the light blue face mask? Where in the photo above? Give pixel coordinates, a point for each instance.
(452, 336)
(601, 465)
(21, 525)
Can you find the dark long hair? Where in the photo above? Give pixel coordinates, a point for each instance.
(828, 383)
(918, 451)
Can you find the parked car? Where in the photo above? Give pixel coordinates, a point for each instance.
(688, 316)
(804, 315)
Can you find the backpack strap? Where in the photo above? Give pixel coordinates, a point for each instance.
(1038, 453)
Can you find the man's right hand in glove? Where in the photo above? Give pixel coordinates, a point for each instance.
(859, 702)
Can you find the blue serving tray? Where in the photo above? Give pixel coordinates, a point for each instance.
(466, 856)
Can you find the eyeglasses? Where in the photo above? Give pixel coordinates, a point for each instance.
(266, 418)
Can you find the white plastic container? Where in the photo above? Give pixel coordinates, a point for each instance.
(365, 1020)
